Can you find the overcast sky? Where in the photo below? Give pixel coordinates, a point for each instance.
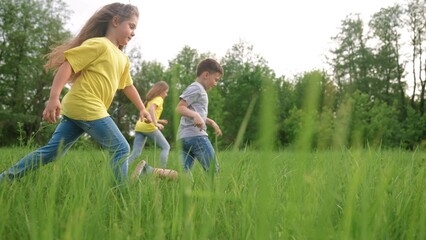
(292, 36)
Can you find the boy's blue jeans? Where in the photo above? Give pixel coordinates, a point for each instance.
(199, 148)
(104, 131)
(158, 138)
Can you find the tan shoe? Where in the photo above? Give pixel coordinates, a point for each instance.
(165, 173)
(138, 170)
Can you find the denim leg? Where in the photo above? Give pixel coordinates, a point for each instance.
(187, 155)
(138, 145)
(161, 141)
(198, 147)
(107, 134)
(65, 135)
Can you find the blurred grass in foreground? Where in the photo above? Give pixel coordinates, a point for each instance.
(258, 194)
(347, 194)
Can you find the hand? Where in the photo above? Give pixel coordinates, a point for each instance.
(198, 121)
(145, 116)
(218, 131)
(163, 121)
(52, 110)
(159, 126)
(216, 128)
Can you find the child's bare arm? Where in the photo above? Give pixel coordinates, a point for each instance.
(132, 94)
(53, 107)
(182, 109)
(216, 127)
(156, 123)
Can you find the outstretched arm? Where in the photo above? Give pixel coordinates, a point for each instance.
(53, 107)
(215, 126)
(132, 94)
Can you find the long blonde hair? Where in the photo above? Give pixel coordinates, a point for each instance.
(96, 26)
(156, 90)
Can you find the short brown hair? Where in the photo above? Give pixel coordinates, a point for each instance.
(210, 65)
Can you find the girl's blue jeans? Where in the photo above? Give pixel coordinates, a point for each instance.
(104, 131)
(199, 148)
(159, 140)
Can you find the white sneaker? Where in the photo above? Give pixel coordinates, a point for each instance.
(165, 173)
(138, 170)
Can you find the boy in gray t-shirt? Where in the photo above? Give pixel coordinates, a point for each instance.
(193, 108)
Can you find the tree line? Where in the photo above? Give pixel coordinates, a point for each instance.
(362, 100)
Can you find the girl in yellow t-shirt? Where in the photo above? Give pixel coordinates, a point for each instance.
(94, 62)
(154, 103)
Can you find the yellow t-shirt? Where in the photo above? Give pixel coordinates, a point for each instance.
(150, 127)
(103, 69)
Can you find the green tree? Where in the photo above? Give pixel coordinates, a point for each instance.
(351, 60)
(187, 60)
(415, 22)
(23, 44)
(242, 82)
(315, 98)
(286, 102)
(345, 57)
(386, 27)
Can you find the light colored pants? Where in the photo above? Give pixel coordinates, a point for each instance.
(104, 131)
(159, 140)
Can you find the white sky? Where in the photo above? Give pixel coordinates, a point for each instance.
(293, 36)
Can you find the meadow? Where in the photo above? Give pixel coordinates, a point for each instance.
(344, 194)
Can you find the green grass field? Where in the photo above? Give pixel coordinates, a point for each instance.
(347, 194)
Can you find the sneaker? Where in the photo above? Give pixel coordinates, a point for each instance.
(141, 167)
(165, 173)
